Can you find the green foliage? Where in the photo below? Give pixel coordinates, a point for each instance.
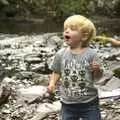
(117, 72)
(103, 39)
(4, 2)
(59, 8)
(69, 7)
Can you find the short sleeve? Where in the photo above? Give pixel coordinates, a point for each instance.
(56, 62)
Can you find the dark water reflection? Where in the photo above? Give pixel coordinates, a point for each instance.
(29, 27)
(108, 27)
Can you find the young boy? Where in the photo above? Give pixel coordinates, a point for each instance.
(77, 67)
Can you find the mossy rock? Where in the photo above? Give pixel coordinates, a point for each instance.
(117, 72)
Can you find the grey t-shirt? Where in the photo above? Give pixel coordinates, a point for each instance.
(76, 83)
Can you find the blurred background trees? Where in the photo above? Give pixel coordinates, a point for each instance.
(58, 8)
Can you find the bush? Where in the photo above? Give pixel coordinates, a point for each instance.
(65, 8)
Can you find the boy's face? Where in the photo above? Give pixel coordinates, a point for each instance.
(73, 36)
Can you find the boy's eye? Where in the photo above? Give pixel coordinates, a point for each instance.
(65, 29)
(73, 28)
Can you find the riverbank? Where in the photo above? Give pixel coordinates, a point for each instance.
(104, 25)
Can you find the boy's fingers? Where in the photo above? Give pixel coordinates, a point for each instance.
(50, 89)
(94, 61)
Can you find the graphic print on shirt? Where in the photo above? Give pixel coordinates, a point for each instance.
(74, 77)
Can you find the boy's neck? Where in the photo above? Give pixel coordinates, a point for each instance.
(77, 49)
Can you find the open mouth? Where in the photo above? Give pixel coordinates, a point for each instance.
(67, 37)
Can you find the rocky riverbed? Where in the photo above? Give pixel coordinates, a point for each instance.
(24, 75)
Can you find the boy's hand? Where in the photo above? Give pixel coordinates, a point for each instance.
(94, 67)
(51, 88)
(97, 72)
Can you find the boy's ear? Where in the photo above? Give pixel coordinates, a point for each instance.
(85, 36)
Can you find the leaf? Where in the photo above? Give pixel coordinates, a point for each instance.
(5, 2)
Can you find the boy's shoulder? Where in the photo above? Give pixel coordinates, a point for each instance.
(91, 51)
(61, 51)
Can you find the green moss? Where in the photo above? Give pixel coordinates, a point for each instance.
(117, 72)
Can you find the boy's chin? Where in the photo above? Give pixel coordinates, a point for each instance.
(67, 43)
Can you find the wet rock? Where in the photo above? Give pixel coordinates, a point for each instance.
(107, 75)
(5, 94)
(117, 72)
(34, 94)
(113, 83)
(48, 109)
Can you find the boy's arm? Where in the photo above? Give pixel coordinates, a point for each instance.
(54, 77)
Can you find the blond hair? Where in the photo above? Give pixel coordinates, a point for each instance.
(81, 22)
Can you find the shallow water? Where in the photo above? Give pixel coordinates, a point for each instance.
(29, 27)
(104, 26)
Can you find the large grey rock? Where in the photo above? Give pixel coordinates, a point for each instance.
(29, 95)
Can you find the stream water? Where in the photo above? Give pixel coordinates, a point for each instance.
(29, 27)
(107, 26)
